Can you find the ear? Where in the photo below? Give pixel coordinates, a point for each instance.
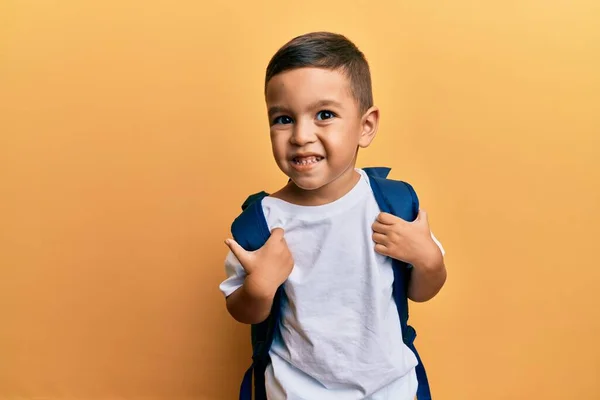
(369, 125)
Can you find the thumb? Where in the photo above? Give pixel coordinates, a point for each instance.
(241, 254)
(422, 217)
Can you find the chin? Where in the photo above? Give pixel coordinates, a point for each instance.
(308, 183)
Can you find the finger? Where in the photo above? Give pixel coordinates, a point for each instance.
(387, 219)
(380, 238)
(380, 228)
(381, 249)
(241, 254)
(276, 238)
(276, 233)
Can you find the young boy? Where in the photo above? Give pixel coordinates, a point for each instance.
(331, 248)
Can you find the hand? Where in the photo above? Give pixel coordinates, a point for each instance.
(266, 268)
(410, 242)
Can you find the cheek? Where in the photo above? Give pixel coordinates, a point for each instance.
(340, 145)
(279, 144)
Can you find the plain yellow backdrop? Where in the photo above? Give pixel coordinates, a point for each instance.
(131, 132)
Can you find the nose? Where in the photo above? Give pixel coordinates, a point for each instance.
(303, 133)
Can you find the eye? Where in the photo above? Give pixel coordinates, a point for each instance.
(325, 114)
(283, 119)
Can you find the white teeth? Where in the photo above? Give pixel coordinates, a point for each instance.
(307, 160)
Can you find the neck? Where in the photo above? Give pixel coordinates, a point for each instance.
(328, 193)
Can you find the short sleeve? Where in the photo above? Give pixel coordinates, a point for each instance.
(438, 244)
(235, 275)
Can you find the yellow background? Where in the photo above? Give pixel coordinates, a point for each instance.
(131, 132)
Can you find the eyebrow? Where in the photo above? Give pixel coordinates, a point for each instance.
(276, 110)
(318, 104)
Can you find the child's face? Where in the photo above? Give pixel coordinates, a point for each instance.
(316, 126)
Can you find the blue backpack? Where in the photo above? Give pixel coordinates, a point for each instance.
(251, 231)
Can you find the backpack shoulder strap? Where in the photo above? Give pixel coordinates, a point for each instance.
(397, 198)
(400, 199)
(251, 231)
(393, 196)
(250, 228)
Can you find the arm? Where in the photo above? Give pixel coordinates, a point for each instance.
(255, 277)
(427, 277)
(248, 308)
(413, 243)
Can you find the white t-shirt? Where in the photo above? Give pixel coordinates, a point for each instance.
(340, 336)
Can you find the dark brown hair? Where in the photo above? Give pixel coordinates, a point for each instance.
(330, 51)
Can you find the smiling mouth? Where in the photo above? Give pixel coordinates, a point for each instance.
(307, 160)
